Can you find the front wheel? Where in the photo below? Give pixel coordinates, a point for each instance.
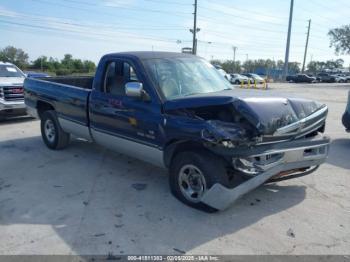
(192, 174)
(53, 135)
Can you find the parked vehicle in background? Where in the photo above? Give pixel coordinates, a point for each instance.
(250, 79)
(238, 79)
(176, 111)
(301, 78)
(347, 77)
(346, 115)
(326, 77)
(339, 78)
(33, 74)
(223, 72)
(11, 91)
(256, 78)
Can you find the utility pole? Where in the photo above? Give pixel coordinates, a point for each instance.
(286, 59)
(234, 48)
(194, 41)
(306, 45)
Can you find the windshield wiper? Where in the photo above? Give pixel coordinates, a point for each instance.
(191, 94)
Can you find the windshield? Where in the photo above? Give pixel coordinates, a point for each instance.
(179, 77)
(10, 71)
(256, 76)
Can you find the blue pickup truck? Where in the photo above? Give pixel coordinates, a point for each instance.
(178, 112)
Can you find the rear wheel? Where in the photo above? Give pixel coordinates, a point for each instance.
(192, 174)
(53, 135)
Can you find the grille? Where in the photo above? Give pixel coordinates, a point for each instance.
(308, 126)
(12, 93)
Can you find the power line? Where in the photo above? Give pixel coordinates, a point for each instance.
(89, 33)
(120, 28)
(54, 20)
(238, 16)
(167, 2)
(249, 11)
(251, 27)
(125, 8)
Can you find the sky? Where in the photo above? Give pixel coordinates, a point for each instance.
(87, 29)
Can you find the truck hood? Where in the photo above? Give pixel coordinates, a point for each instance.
(264, 111)
(8, 81)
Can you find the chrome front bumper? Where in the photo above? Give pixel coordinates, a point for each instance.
(297, 155)
(6, 105)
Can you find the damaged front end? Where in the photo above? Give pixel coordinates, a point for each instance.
(285, 161)
(261, 139)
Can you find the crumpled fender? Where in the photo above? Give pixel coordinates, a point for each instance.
(224, 133)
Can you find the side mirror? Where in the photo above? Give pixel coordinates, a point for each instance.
(134, 89)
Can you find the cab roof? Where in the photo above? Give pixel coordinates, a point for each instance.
(150, 54)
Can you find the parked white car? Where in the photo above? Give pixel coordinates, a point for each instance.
(256, 78)
(238, 79)
(11, 90)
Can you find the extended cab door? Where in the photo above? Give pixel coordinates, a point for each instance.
(126, 124)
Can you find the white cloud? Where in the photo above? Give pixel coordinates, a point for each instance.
(7, 13)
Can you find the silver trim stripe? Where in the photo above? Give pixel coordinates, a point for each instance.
(133, 149)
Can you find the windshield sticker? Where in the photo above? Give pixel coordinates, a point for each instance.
(11, 69)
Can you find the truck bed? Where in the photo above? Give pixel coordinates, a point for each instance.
(68, 96)
(77, 81)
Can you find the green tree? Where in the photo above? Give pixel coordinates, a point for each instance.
(14, 55)
(340, 39)
(294, 67)
(249, 66)
(231, 66)
(280, 64)
(318, 66)
(216, 62)
(89, 66)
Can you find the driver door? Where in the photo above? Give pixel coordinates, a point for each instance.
(127, 124)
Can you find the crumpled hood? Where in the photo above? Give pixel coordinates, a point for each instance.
(8, 81)
(263, 110)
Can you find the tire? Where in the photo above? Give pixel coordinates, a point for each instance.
(53, 135)
(212, 170)
(237, 82)
(346, 120)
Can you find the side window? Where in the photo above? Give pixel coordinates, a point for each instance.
(130, 73)
(117, 75)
